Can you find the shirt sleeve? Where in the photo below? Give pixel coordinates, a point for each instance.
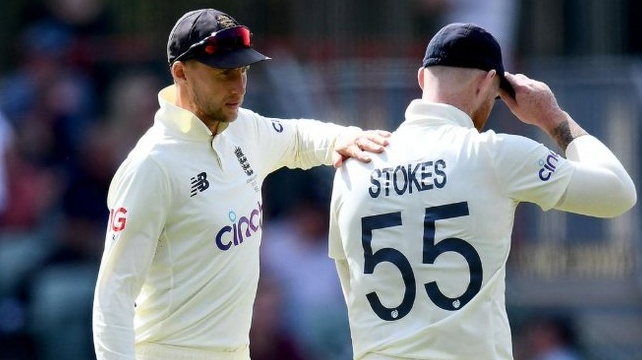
(138, 204)
(297, 143)
(528, 171)
(600, 186)
(589, 181)
(335, 245)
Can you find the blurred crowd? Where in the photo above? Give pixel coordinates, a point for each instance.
(67, 120)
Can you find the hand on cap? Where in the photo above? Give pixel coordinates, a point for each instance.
(534, 102)
(357, 145)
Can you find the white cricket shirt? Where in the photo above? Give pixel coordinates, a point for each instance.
(421, 235)
(181, 261)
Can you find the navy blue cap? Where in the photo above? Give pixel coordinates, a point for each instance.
(196, 26)
(469, 46)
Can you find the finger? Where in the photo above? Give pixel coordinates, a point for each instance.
(373, 141)
(369, 145)
(379, 137)
(337, 160)
(381, 133)
(516, 80)
(508, 98)
(354, 151)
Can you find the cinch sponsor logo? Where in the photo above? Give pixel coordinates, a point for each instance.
(240, 228)
(117, 219)
(548, 166)
(277, 126)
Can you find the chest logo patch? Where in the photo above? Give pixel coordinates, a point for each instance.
(247, 168)
(199, 183)
(245, 165)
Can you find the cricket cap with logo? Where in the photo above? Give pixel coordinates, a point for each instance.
(213, 38)
(469, 46)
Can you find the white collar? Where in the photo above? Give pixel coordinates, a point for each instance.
(422, 112)
(181, 121)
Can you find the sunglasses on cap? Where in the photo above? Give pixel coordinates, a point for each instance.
(226, 39)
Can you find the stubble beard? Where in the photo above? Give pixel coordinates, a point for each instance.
(212, 115)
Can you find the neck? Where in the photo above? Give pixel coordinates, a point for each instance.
(453, 86)
(457, 99)
(182, 100)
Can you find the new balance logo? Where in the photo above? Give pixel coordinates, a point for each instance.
(199, 183)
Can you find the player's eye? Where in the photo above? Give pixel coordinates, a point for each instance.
(233, 72)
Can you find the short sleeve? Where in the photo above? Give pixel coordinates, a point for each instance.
(335, 244)
(528, 171)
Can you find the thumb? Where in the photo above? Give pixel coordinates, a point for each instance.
(337, 160)
(510, 101)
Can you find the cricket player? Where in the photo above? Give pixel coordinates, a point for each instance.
(422, 233)
(180, 268)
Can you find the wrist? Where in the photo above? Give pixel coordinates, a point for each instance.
(555, 122)
(566, 130)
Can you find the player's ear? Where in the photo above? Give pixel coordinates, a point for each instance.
(492, 78)
(420, 77)
(486, 84)
(178, 71)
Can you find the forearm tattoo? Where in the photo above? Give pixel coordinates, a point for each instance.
(565, 133)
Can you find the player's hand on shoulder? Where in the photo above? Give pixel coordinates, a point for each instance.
(357, 144)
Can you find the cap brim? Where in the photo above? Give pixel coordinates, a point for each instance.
(504, 84)
(233, 59)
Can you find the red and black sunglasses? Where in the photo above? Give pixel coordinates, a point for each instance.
(227, 39)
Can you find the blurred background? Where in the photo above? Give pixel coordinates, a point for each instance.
(78, 86)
